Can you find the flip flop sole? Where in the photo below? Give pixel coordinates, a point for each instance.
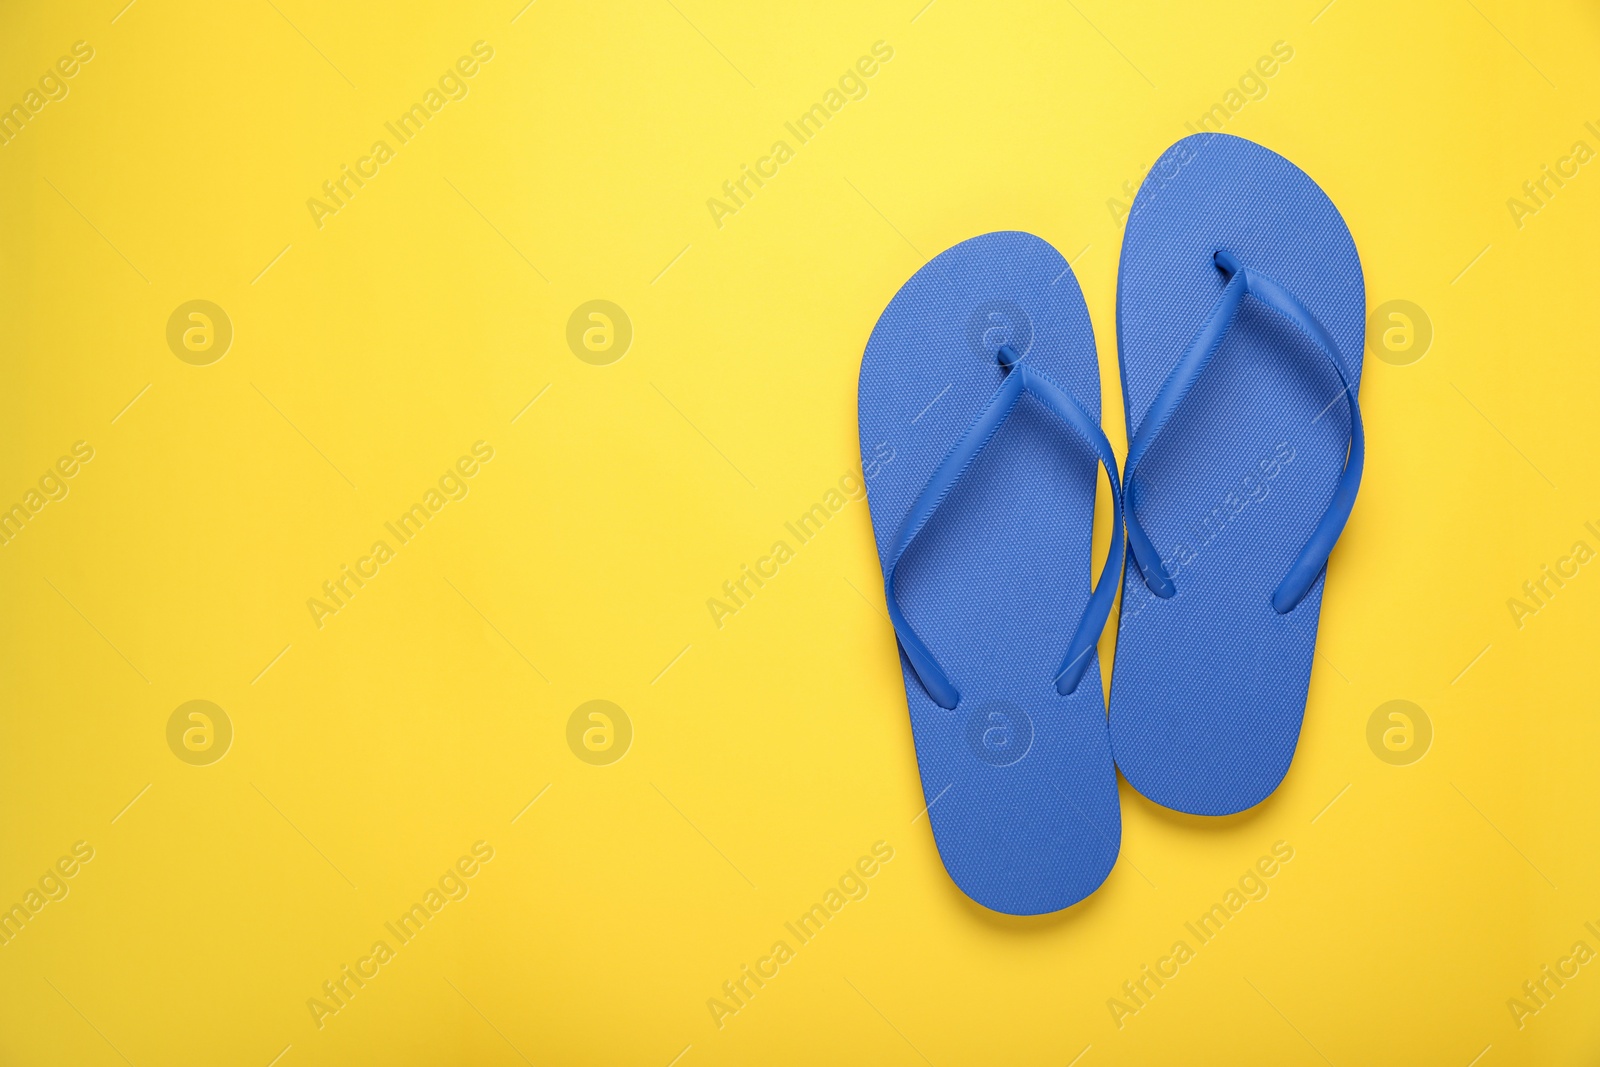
(1210, 686)
(1019, 782)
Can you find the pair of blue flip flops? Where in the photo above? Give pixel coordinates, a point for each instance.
(1240, 307)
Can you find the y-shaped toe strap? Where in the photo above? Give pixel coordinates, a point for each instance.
(1314, 554)
(1019, 380)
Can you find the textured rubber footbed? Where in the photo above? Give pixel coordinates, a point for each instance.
(1209, 687)
(1019, 780)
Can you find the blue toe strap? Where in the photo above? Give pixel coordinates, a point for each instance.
(1019, 380)
(1314, 554)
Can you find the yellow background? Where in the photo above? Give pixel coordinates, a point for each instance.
(370, 353)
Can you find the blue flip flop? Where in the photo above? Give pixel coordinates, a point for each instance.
(1240, 305)
(981, 378)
